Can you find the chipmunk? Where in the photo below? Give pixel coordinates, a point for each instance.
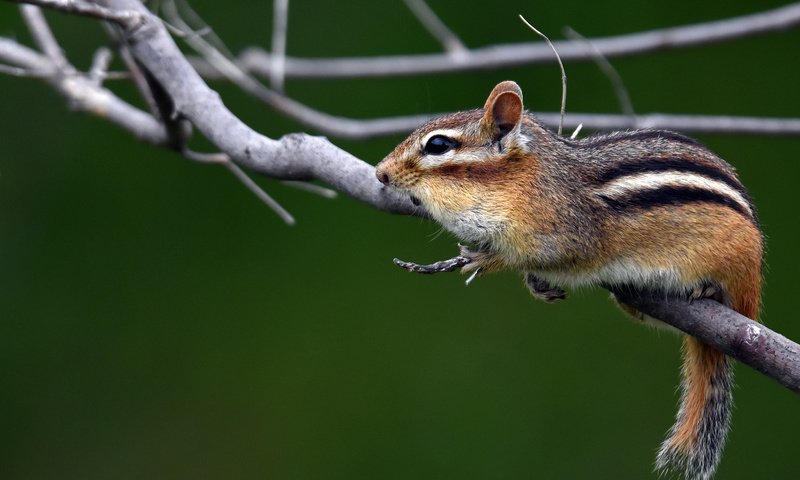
(645, 209)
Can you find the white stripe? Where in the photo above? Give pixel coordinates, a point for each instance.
(655, 180)
(445, 132)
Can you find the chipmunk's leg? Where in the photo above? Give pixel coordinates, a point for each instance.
(541, 290)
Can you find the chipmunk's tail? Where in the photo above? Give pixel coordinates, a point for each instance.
(694, 444)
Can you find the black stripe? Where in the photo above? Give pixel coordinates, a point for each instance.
(659, 164)
(603, 140)
(664, 196)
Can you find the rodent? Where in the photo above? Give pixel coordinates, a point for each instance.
(643, 209)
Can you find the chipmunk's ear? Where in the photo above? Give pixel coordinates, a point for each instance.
(503, 108)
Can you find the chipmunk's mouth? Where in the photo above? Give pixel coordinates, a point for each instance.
(415, 200)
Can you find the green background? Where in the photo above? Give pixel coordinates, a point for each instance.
(158, 321)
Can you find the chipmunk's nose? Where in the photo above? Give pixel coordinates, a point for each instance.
(383, 176)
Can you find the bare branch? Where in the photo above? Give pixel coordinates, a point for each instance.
(736, 335)
(722, 124)
(428, 18)
(280, 23)
(492, 57)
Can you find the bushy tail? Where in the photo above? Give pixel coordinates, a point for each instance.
(694, 444)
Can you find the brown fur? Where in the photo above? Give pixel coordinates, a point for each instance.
(529, 201)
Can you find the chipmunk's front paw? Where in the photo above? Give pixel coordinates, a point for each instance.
(478, 260)
(542, 290)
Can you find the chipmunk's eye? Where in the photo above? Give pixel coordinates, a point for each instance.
(438, 144)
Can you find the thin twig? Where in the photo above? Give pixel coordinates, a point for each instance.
(100, 62)
(224, 159)
(624, 99)
(199, 157)
(260, 193)
(221, 158)
(311, 188)
(437, 28)
(280, 21)
(563, 74)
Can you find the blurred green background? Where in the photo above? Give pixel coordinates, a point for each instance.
(158, 321)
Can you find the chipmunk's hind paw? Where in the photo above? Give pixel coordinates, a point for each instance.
(542, 290)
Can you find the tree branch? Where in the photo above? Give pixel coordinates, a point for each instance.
(260, 62)
(736, 335)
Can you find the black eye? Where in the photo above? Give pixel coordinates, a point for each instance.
(438, 144)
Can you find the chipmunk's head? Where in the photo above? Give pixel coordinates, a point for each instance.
(461, 167)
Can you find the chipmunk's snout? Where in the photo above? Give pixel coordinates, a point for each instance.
(383, 176)
(396, 173)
